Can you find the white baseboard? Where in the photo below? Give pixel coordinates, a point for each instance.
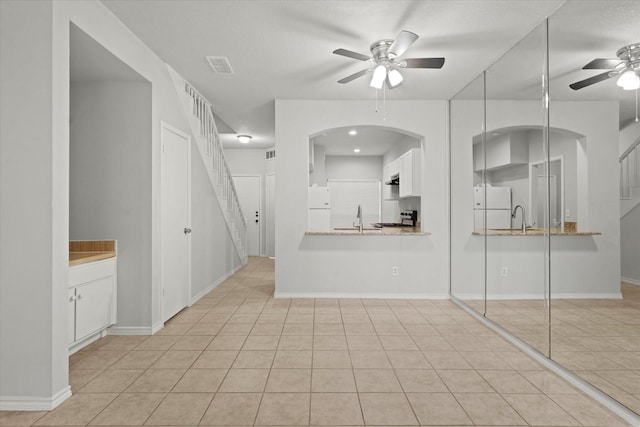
(23, 403)
(630, 281)
(155, 328)
(358, 295)
(133, 330)
(475, 297)
(214, 285)
(85, 342)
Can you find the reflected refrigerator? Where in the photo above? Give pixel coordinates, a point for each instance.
(319, 209)
(498, 207)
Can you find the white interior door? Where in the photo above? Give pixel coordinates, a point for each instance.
(175, 218)
(270, 219)
(249, 194)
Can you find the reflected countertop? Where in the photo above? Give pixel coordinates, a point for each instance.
(533, 232)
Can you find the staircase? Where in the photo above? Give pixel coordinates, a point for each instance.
(200, 118)
(630, 178)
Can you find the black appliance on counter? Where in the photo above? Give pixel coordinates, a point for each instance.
(408, 218)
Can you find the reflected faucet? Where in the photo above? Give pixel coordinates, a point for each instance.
(513, 215)
(359, 225)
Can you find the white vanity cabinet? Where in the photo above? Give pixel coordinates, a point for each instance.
(409, 166)
(92, 300)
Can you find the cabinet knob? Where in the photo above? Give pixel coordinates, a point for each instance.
(79, 296)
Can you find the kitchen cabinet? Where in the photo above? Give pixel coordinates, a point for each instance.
(92, 300)
(410, 171)
(394, 168)
(504, 151)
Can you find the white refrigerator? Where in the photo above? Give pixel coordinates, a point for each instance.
(498, 207)
(319, 209)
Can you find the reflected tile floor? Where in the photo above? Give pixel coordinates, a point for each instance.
(597, 339)
(239, 357)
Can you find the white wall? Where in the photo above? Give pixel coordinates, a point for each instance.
(358, 265)
(628, 135)
(110, 183)
(581, 265)
(630, 223)
(213, 256)
(34, 196)
(353, 167)
(33, 208)
(630, 246)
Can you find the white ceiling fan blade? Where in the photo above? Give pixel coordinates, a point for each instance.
(351, 54)
(402, 43)
(354, 76)
(422, 63)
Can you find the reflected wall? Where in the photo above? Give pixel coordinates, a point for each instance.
(547, 268)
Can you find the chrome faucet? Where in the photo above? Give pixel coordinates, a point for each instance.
(513, 215)
(359, 225)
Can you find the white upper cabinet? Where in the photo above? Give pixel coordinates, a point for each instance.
(505, 150)
(409, 165)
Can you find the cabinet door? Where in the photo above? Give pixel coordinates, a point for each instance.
(71, 328)
(93, 306)
(394, 167)
(406, 174)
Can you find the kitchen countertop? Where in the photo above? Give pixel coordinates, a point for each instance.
(85, 251)
(384, 231)
(533, 232)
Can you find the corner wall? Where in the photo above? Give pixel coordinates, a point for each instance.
(110, 183)
(34, 190)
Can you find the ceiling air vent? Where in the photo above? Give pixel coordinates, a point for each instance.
(270, 154)
(220, 64)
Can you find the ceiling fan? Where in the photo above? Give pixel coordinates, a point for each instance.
(627, 66)
(386, 65)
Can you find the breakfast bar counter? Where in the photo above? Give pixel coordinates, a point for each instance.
(384, 231)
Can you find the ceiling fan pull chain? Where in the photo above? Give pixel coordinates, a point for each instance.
(384, 103)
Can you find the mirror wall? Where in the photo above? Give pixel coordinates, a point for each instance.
(535, 204)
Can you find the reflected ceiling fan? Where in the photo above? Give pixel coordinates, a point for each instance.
(627, 66)
(386, 65)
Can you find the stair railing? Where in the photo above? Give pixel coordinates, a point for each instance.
(629, 170)
(208, 130)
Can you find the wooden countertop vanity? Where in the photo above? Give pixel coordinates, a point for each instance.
(84, 251)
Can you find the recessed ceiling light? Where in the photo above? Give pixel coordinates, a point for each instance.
(356, 150)
(353, 132)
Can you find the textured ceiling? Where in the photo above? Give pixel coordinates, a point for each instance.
(283, 49)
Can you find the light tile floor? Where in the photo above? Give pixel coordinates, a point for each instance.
(240, 357)
(597, 339)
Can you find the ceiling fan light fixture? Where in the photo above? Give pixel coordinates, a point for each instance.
(379, 76)
(244, 139)
(629, 80)
(395, 78)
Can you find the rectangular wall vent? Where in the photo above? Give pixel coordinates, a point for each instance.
(271, 154)
(220, 64)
